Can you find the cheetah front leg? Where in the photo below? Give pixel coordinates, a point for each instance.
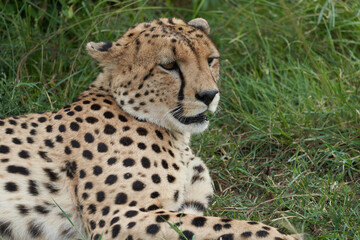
(198, 188)
(131, 223)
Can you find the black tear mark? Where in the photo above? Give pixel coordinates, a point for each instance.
(105, 47)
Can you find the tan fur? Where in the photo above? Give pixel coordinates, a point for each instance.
(117, 160)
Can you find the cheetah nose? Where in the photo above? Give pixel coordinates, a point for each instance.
(206, 96)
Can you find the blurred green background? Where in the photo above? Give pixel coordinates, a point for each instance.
(284, 146)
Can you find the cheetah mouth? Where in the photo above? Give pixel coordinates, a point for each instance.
(178, 114)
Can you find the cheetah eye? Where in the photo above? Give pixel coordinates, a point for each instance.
(169, 66)
(210, 61)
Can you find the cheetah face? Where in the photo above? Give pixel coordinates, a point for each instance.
(165, 71)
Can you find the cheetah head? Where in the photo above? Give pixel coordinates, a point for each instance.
(165, 72)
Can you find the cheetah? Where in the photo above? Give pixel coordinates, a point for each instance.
(116, 162)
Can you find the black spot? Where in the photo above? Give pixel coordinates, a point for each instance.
(175, 166)
(51, 174)
(101, 223)
(102, 147)
(176, 196)
(171, 153)
(121, 198)
(170, 178)
(92, 209)
(95, 107)
(217, 227)
(41, 209)
(24, 154)
(89, 138)
(131, 213)
(70, 168)
(62, 128)
(115, 231)
(111, 179)
(18, 169)
(108, 114)
(162, 218)
(33, 188)
(51, 188)
(138, 186)
(156, 178)
(128, 162)
(228, 236)
(41, 119)
(252, 223)
(97, 170)
(91, 120)
(145, 162)
(23, 210)
(188, 235)
(227, 226)
(100, 196)
(88, 185)
(156, 148)
(154, 195)
(131, 225)
(34, 229)
(82, 174)
(109, 129)
(87, 154)
(122, 118)
(16, 141)
(266, 228)
(142, 131)
(262, 233)
(142, 146)
(29, 140)
(49, 143)
(11, 187)
(71, 113)
(107, 101)
(105, 211)
(127, 175)
(75, 144)
(33, 132)
(225, 220)
(246, 234)
(164, 164)
(111, 161)
(198, 221)
(78, 108)
(153, 229)
(59, 138)
(126, 141)
(92, 225)
(4, 149)
(277, 238)
(152, 207)
(9, 131)
(159, 134)
(114, 220)
(74, 126)
(57, 117)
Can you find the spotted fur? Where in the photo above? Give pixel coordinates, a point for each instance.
(117, 160)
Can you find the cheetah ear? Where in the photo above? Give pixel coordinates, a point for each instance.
(201, 24)
(99, 50)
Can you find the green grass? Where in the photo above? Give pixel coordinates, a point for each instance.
(284, 146)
